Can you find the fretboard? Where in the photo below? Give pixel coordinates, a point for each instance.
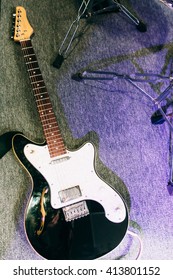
(50, 126)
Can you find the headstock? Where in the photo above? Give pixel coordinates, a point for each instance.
(22, 30)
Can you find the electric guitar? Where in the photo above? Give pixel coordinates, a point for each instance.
(71, 213)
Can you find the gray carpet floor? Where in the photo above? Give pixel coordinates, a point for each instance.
(133, 153)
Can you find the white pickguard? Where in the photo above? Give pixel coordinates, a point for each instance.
(76, 168)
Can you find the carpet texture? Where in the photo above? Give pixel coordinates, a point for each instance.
(116, 116)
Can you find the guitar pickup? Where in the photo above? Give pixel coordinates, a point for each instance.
(70, 194)
(75, 210)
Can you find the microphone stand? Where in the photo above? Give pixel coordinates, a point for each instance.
(159, 116)
(89, 9)
(168, 3)
(170, 182)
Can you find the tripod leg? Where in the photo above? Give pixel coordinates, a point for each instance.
(68, 39)
(139, 24)
(170, 183)
(99, 7)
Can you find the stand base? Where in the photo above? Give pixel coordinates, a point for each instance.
(141, 27)
(58, 61)
(170, 188)
(89, 9)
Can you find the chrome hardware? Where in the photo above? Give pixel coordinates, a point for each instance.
(75, 211)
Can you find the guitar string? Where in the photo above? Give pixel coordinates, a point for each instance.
(45, 118)
(62, 174)
(60, 177)
(42, 107)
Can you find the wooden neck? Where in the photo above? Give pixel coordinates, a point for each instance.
(50, 126)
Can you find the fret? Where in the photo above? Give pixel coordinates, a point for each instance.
(43, 93)
(30, 62)
(28, 55)
(49, 104)
(35, 76)
(38, 82)
(42, 106)
(52, 136)
(39, 90)
(50, 126)
(42, 101)
(42, 97)
(56, 141)
(52, 149)
(48, 130)
(31, 76)
(35, 70)
(39, 96)
(27, 48)
(60, 146)
(30, 59)
(46, 111)
(50, 119)
(45, 121)
(33, 65)
(53, 133)
(56, 151)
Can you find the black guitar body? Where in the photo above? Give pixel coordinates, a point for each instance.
(85, 238)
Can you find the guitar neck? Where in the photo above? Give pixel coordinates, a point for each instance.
(50, 126)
